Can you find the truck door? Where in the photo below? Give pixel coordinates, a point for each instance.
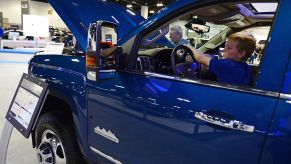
(278, 142)
(148, 116)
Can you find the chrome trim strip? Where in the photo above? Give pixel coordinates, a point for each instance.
(105, 156)
(212, 84)
(108, 71)
(161, 76)
(285, 96)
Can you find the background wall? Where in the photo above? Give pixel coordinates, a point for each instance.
(260, 33)
(12, 10)
(40, 8)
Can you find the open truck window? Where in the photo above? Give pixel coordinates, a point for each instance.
(207, 30)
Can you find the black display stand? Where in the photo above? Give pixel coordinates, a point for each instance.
(23, 111)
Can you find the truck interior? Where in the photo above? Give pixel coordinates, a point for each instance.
(156, 56)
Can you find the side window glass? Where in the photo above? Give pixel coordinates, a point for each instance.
(156, 39)
(261, 35)
(208, 30)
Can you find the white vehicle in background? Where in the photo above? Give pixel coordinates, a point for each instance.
(14, 35)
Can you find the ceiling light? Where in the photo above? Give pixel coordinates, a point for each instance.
(160, 4)
(265, 7)
(129, 6)
(152, 11)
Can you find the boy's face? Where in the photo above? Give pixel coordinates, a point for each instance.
(231, 51)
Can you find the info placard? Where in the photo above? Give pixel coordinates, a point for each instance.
(26, 104)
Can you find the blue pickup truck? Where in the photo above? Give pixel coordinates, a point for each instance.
(123, 100)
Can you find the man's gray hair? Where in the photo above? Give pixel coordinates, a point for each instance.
(178, 29)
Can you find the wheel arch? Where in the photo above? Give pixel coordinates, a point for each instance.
(58, 102)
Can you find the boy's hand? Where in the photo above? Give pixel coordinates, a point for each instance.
(200, 57)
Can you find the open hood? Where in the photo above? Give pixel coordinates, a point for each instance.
(78, 14)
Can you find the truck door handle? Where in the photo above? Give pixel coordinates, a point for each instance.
(219, 121)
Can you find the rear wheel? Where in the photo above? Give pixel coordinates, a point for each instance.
(55, 140)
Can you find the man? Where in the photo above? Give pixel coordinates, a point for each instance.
(259, 49)
(176, 35)
(233, 68)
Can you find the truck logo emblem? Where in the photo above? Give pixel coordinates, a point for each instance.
(107, 134)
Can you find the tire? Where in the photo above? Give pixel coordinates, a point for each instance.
(56, 141)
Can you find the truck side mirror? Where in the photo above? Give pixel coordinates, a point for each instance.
(101, 50)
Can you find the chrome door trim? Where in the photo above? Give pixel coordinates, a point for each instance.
(285, 96)
(105, 155)
(107, 71)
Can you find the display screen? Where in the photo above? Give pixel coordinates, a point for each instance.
(26, 104)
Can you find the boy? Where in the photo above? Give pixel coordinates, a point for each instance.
(232, 68)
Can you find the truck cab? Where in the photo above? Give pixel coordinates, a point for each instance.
(141, 98)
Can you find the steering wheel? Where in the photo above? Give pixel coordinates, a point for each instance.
(184, 63)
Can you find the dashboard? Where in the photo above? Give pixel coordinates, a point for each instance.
(157, 60)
